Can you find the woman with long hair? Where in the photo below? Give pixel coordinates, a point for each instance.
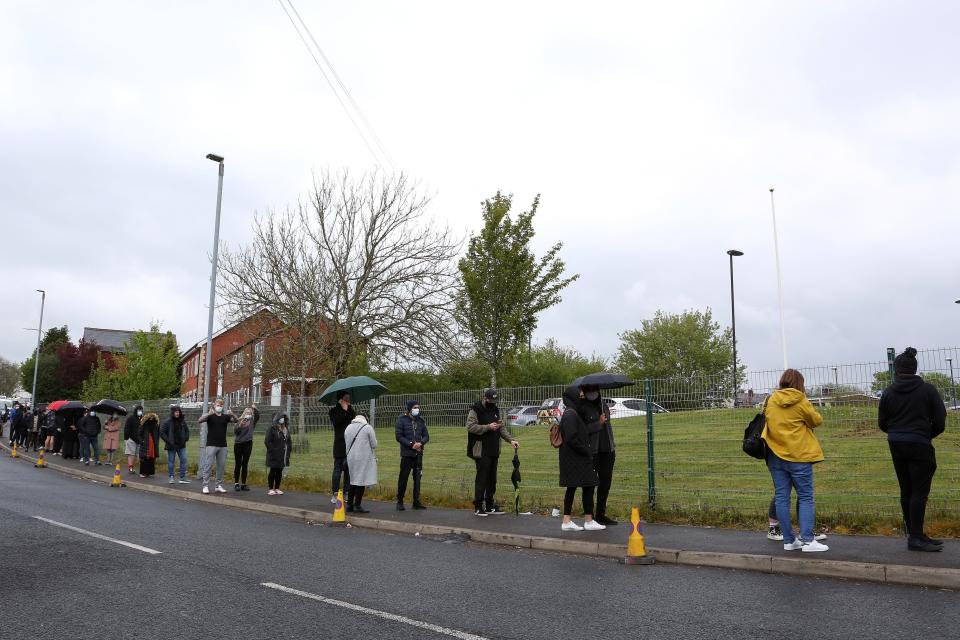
(149, 444)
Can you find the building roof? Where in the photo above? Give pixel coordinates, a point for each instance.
(112, 340)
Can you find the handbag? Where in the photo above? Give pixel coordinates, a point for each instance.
(753, 445)
(556, 436)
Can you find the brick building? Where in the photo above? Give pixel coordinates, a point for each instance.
(237, 372)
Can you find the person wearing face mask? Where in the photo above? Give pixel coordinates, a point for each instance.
(89, 429)
(243, 447)
(111, 436)
(175, 434)
(279, 447)
(580, 426)
(412, 434)
(217, 421)
(341, 415)
(485, 429)
(131, 436)
(605, 458)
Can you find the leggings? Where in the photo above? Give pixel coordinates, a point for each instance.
(274, 477)
(241, 457)
(587, 500)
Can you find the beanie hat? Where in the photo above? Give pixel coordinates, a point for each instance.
(906, 362)
(411, 404)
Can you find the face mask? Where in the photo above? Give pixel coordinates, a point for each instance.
(415, 412)
(139, 413)
(591, 395)
(114, 417)
(282, 420)
(219, 409)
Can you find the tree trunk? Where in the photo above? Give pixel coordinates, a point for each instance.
(493, 378)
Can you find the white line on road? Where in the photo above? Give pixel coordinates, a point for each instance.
(463, 635)
(99, 536)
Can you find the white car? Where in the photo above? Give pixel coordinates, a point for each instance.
(631, 407)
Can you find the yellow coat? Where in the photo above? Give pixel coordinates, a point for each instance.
(789, 429)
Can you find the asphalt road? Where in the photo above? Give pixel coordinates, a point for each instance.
(208, 581)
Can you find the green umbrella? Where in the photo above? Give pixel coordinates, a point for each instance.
(361, 389)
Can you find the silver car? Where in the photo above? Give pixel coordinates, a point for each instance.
(522, 416)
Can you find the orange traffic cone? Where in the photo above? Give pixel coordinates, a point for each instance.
(41, 462)
(14, 453)
(117, 479)
(636, 550)
(339, 513)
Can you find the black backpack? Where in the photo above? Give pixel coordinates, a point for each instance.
(753, 445)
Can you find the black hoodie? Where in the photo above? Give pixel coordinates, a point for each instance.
(911, 410)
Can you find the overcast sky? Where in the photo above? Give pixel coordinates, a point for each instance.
(652, 130)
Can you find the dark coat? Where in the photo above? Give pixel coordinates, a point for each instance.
(340, 419)
(149, 427)
(131, 426)
(278, 444)
(579, 445)
(175, 433)
(89, 426)
(911, 410)
(408, 431)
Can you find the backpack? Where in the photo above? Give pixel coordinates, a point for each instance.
(753, 445)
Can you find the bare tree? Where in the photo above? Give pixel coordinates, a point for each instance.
(355, 273)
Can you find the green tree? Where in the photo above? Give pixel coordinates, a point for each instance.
(688, 354)
(49, 386)
(150, 369)
(550, 363)
(9, 377)
(881, 380)
(504, 285)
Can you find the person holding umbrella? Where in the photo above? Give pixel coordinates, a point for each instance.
(485, 429)
(411, 432)
(581, 434)
(341, 415)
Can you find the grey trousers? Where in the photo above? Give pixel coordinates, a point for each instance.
(220, 455)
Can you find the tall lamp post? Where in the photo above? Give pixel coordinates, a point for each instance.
(733, 322)
(953, 387)
(213, 294)
(36, 358)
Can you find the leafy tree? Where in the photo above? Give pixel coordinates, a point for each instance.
(881, 380)
(550, 363)
(688, 354)
(75, 364)
(150, 369)
(9, 377)
(504, 285)
(49, 386)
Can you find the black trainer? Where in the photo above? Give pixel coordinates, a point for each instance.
(604, 520)
(919, 544)
(400, 507)
(419, 505)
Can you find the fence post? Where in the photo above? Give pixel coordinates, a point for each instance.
(651, 474)
(891, 355)
(373, 412)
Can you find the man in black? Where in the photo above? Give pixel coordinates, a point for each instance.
(606, 456)
(216, 451)
(484, 431)
(341, 415)
(89, 428)
(912, 414)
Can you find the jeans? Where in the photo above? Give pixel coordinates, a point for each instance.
(485, 484)
(172, 456)
(408, 464)
(915, 465)
(87, 443)
(241, 457)
(798, 475)
(220, 455)
(340, 468)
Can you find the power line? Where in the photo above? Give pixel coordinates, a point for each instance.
(326, 76)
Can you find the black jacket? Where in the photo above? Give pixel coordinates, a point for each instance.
(174, 433)
(150, 426)
(278, 444)
(89, 426)
(911, 410)
(579, 443)
(131, 426)
(408, 431)
(341, 420)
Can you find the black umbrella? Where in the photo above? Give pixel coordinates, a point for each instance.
(603, 380)
(109, 406)
(70, 405)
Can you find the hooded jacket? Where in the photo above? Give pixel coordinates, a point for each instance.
(789, 429)
(278, 443)
(340, 418)
(174, 432)
(579, 441)
(911, 410)
(410, 429)
(131, 426)
(148, 429)
(361, 452)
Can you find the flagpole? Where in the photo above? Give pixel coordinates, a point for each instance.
(776, 253)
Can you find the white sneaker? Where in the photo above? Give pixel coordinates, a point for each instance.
(793, 546)
(205, 490)
(271, 492)
(279, 493)
(593, 525)
(570, 526)
(333, 499)
(171, 480)
(813, 547)
(820, 536)
(183, 481)
(220, 489)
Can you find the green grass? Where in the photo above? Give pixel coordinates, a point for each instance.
(701, 475)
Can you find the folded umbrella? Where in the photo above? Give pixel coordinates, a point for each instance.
(361, 389)
(109, 406)
(515, 479)
(603, 380)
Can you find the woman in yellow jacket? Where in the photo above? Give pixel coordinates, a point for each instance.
(793, 449)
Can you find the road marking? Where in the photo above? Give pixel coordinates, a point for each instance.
(99, 536)
(463, 635)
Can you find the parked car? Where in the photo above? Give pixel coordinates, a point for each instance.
(631, 407)
(551, 409)
(523, 415)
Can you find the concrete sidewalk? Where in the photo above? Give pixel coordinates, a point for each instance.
(869, 558)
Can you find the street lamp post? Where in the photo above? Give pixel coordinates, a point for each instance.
(36, 358)
(953, 387)
(213, 294)
(776, 253)
(733, 323)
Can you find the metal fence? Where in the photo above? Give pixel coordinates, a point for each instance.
(682, 459)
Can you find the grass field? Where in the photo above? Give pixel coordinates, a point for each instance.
(701, 475)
